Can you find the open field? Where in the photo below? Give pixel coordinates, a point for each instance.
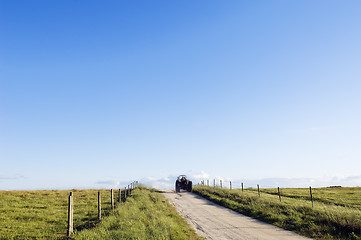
(43, 214)
(336, 213)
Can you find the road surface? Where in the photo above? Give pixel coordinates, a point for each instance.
(216, 222)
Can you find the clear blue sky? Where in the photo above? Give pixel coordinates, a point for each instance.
(96, 92)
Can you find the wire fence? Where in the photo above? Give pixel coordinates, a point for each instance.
(52, 214)
(320, 195)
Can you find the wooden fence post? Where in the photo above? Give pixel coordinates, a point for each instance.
(208, 182)
(230, 185)
(220, 183)
(279, 194)
(214, 182)
(99, 206)
(311, 195)
(70, 215)
(125, 194)
(259, 194)
(242, 187)
(120, 196)
(112, 198)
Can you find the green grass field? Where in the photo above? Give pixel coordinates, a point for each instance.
(43, 215)
(147, 215)
(336, 213)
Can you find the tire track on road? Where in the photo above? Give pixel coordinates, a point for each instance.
(216, 222)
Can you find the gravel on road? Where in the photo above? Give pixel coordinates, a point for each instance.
(216, 222)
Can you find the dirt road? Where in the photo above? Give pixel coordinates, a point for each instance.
(216, 222)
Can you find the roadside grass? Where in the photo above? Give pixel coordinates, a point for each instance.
(146, 215)
(43, 214)
(336, 213)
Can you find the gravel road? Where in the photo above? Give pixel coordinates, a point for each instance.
(216, 222)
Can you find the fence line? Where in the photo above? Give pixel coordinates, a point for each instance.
(202, 182)
(70, 206)
(127, 192)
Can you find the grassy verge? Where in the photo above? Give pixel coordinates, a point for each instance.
(146, 215)
(334, 216)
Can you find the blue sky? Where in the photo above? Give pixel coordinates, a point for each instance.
(99, 93)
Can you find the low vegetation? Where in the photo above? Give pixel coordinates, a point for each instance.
(336, 213)
(43, 215)
(146, 215)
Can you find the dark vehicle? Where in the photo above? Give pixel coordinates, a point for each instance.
(183, 183)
